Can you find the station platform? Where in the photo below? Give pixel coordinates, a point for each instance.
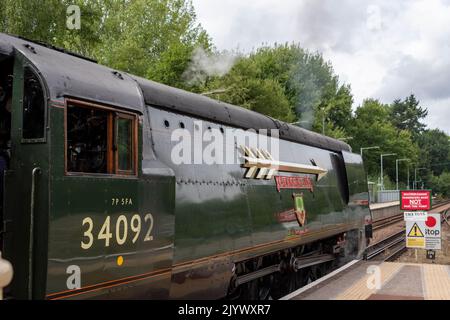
(382, 205)
(371, 280)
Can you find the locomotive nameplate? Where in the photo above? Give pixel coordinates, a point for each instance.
(285, 182)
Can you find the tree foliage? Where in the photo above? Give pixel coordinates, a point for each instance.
(435, 147)
(149, 38)
(297, 85)
(157, 39)
(407, 115)
(372, 128)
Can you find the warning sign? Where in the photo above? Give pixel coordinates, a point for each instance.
(413, 200)
(415, 231)
(415, 243)
(415, 236)
(424, 234)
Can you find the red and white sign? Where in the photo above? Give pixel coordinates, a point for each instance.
(415, 200)
(433, 232)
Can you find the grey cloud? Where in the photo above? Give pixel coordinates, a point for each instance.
(351, 32)
(343, 25)
(426, 79)
(438, 114)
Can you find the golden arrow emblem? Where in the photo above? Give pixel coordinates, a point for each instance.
(262, 161)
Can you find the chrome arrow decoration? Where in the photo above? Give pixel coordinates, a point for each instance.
(262, 160)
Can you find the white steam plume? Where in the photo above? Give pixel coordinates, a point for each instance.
(205, 65)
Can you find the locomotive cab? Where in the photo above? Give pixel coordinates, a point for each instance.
(6, 76)
(23, 160)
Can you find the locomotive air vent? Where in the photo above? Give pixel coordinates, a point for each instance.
(30, 48)
(117, 75)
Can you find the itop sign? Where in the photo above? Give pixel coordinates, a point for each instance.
(424, 234)
(433, 232)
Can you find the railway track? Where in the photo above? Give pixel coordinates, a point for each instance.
(392, 246)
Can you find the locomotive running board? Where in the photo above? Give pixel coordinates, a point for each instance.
(318, 281)
(298, 263)
(261, 159)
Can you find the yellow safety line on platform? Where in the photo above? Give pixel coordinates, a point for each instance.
(437, 282)
(361, 291)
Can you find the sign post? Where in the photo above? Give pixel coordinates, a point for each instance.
(423, 229)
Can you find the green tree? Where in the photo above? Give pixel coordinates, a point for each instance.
(441, 184)
(45, 21)
(372, 128)
(407, 115)
(435, 150)
(303, 80)
(241, 87)
(150, 38)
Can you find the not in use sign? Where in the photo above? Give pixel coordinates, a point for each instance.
(424, 234)
(415, 200)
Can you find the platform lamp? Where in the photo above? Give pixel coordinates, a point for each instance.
(415, 176)
(381, 167)
(396, 169)
(368, 148)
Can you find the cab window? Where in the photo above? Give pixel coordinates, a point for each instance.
(33, 115)
(100, 141)
(124, 143)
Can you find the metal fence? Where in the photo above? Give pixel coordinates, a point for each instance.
(388, 196)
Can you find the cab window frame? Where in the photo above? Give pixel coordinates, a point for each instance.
(116, 149)
(26, 65)
(113, 113)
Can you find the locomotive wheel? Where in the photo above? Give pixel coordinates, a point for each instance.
(288, 282)
(314, 273)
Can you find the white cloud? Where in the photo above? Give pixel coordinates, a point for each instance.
(384, 49)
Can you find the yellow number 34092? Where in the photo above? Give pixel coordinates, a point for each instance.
(121, 230)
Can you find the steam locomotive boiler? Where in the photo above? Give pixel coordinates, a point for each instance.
(110, 191)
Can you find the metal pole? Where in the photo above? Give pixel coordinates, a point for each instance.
(396, 171)
(415, 179)
(368, 148)
(323, 125)
(408, 178)
(382, 178)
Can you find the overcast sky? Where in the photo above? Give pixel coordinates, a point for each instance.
(385, 49)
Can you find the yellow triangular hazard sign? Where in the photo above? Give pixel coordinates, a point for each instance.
(415, 231)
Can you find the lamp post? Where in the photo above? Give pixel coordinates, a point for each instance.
(381, 171)
(396, 169)
(323, 125)
(408, 176)
(415, 176)
(368, 148)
